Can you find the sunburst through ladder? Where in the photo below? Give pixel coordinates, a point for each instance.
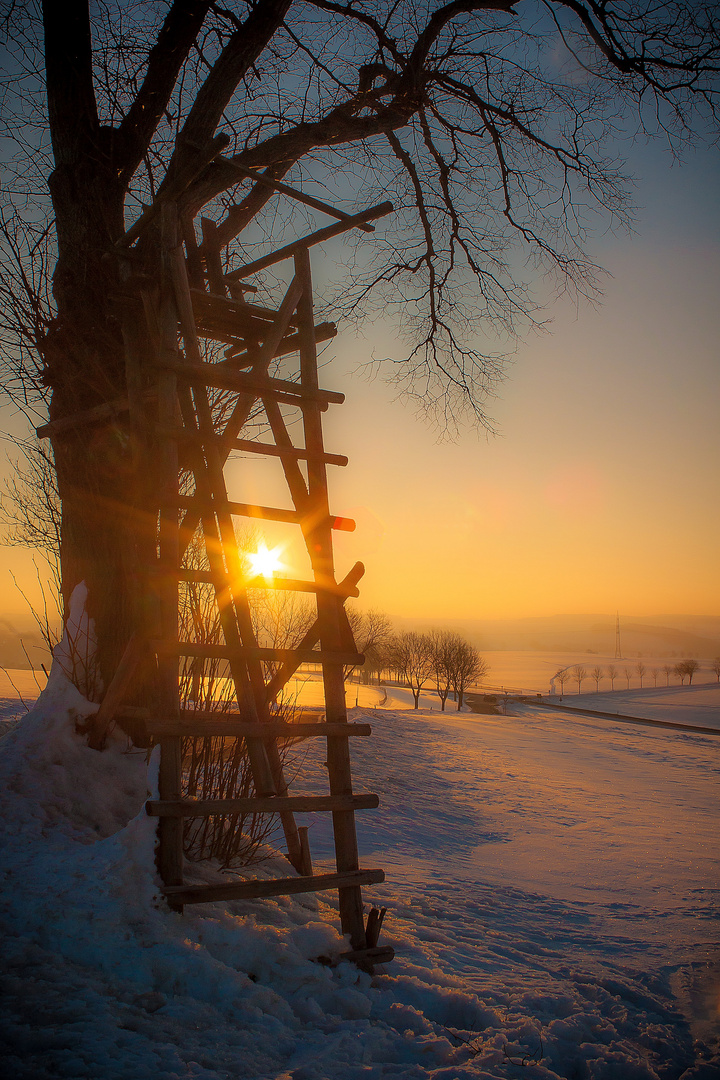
(175, 420)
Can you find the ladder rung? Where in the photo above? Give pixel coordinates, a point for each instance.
(98, 414)
(205, 577)
(250, 890)
(208, 307)
(282, 389)
(264, 513)
(379, 954)
(250, 447)
(299, 804)
(238, 355)
(247, 729)
(224, 652)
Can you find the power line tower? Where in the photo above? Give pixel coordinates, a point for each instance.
(618, 653)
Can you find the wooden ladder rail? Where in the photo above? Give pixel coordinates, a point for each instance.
(318, 537)
(221, 546)
(170, 832)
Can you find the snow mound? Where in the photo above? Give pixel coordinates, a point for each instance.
(101, 979)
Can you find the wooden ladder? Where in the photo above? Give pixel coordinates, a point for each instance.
(171, 422)
(186, 424)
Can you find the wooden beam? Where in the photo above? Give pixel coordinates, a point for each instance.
(226, 652)
(239, 357)
(308, 241)
(246, 729)
(364, 958)
(281, 584)
(251, 890)
(267, 513)
(347, 587)
(98, 414)
(279, 389)
(250, 446)
(100, 724)
(209, 305)
(298, 804)
(285, 189)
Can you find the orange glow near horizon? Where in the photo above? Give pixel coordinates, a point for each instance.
(600, 494)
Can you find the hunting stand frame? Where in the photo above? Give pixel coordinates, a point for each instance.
(173, 289)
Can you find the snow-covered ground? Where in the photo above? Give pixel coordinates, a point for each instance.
(552, 894)
(697, 705)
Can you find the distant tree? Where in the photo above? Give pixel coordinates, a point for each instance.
(669, 670)
(655, 672)
(443, 643)
(641, 670)
(715, 667)
(562, 677)
(597, 674)
(689, 667)
(411, 655)
(468, 667)
(612, 674)
(579, 673)
(372, 631)
(680, 671)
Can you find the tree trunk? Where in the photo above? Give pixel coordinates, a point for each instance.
(103, 518)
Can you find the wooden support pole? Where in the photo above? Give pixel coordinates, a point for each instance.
(319, 544)
(170, 832)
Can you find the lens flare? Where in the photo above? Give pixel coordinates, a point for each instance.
(265, 562)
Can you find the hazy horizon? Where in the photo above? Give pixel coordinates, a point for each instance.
(601, 493)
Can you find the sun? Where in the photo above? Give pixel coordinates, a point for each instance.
(265, 562)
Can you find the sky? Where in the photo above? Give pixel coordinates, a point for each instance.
(599, 493)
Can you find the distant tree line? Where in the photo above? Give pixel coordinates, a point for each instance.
(440, 659)
(685, 669)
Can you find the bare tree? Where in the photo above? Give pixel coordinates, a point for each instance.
(597, 674)
(655, 672)
(372, 631)
(715, 667)
(411, 655)
(579, 673)
(562, 677)
(641, 670)
(483, 120)
(669, 670)
(443, 644)
(628, 675)
(612, 674)
(680, 671)
(468, 667)
(687, 667)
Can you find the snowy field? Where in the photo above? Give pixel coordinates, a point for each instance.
(696, 705)
(552, 894)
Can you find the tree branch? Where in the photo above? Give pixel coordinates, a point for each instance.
(176, 38)
(242, 50)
